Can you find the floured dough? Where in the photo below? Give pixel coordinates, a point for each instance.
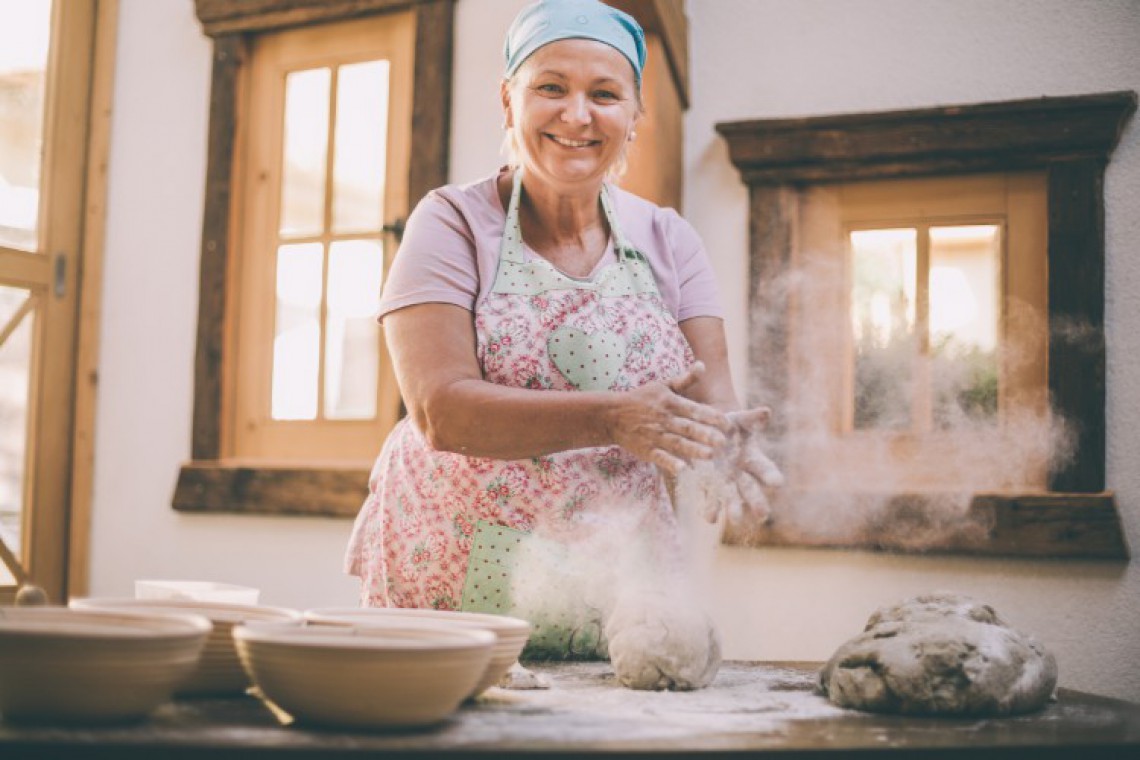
(658, 643)
(940, 654)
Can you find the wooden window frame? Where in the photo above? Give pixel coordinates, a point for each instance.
(210, 483)
(1071, 139)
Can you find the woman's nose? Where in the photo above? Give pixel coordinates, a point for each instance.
(577, 110)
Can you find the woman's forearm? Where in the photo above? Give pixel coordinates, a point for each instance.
(433, 348)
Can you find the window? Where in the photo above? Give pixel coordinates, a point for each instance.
(46, 59)
(921, 317)
(877, 242)
(295, 230)
(323, 178)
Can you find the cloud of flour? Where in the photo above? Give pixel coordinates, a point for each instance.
(869, 457)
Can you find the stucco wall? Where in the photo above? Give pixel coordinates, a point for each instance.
(751, 58)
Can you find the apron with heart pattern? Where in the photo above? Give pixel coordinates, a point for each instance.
(449, 531)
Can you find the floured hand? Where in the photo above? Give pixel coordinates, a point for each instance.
(734, 481)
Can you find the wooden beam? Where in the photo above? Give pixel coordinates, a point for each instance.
(1045, 525)
(1017, 134)
(258, 488)
(1076, 317)
(667, 20)
(223, 17)
(431, 99)
(229, 56)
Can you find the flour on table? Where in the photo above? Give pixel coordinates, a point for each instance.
(656, 643)
(519, 677)
(940, 654)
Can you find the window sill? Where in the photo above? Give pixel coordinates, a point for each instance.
(226, 486)
(1045, 525)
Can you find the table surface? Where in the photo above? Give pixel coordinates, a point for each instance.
(768, 710)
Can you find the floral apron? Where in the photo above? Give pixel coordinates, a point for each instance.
(517, 537)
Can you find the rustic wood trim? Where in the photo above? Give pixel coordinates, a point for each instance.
(90, 297)
(1069, 526)
(1016, 134)
(224, 17)
(1076, 317)
(229, 56)
(431, 98)
(1070, 137)
(667, 20)
(227, 21)
(258, 488)
(772, 230)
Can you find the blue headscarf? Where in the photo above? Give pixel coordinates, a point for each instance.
(548, 21)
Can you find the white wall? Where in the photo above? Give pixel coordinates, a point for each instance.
(775, 58)
(751, 59)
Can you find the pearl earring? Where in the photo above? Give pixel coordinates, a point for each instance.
(632, 136)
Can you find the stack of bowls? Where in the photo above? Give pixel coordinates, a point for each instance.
(59, 664)
(408, 674)
(511, 633)
(219, 670)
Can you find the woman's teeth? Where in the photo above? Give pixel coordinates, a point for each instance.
(570, 143)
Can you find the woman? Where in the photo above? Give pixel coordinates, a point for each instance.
(558, 342)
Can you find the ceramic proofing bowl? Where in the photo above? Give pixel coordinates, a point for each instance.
(219, 670)
(64, 665)
(407, 675)
(511, 633)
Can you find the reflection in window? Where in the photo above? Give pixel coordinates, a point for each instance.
(924, 314)
(883, 311)
(326, 355)
(25, 35)
(964, 313)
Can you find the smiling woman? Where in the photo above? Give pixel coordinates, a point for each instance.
(558, 344)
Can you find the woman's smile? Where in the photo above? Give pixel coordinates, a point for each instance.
(569, 142)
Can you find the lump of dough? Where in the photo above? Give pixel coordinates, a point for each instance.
(940, 654)
(658, 643)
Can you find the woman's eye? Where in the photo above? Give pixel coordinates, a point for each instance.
(605, 95)
(550, 88)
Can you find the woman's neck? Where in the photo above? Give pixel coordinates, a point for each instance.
(567, 228)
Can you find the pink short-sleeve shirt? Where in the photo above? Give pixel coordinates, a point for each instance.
(450, 251)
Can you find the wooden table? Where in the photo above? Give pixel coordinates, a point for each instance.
(767, 710)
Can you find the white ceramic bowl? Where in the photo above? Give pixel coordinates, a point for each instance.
(511, 633)
(200, 591)
(412, 674)
(219, 670)
(64, 665)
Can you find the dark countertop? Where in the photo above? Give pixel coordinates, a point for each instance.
(767, 710)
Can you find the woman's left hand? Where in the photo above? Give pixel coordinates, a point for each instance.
(735, 480)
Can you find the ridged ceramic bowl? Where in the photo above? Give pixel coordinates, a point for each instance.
(408, 675)
(511, 633)
(86, 666)
(219, 670)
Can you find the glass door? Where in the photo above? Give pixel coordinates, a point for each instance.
(45, 64)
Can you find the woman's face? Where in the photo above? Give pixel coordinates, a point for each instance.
(571, 107)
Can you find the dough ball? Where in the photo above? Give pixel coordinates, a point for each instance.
(943, 654)
(659, 643)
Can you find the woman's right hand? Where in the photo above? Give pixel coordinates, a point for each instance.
(657, 424)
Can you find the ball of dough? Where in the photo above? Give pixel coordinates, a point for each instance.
(940, 654)
(657, 643)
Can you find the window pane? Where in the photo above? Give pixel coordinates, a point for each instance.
(964, 314)
(361, 146)
(883, 320)
(305, 152)
(17, 323)
(352, 340)
(25, 34)
(297, 333)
